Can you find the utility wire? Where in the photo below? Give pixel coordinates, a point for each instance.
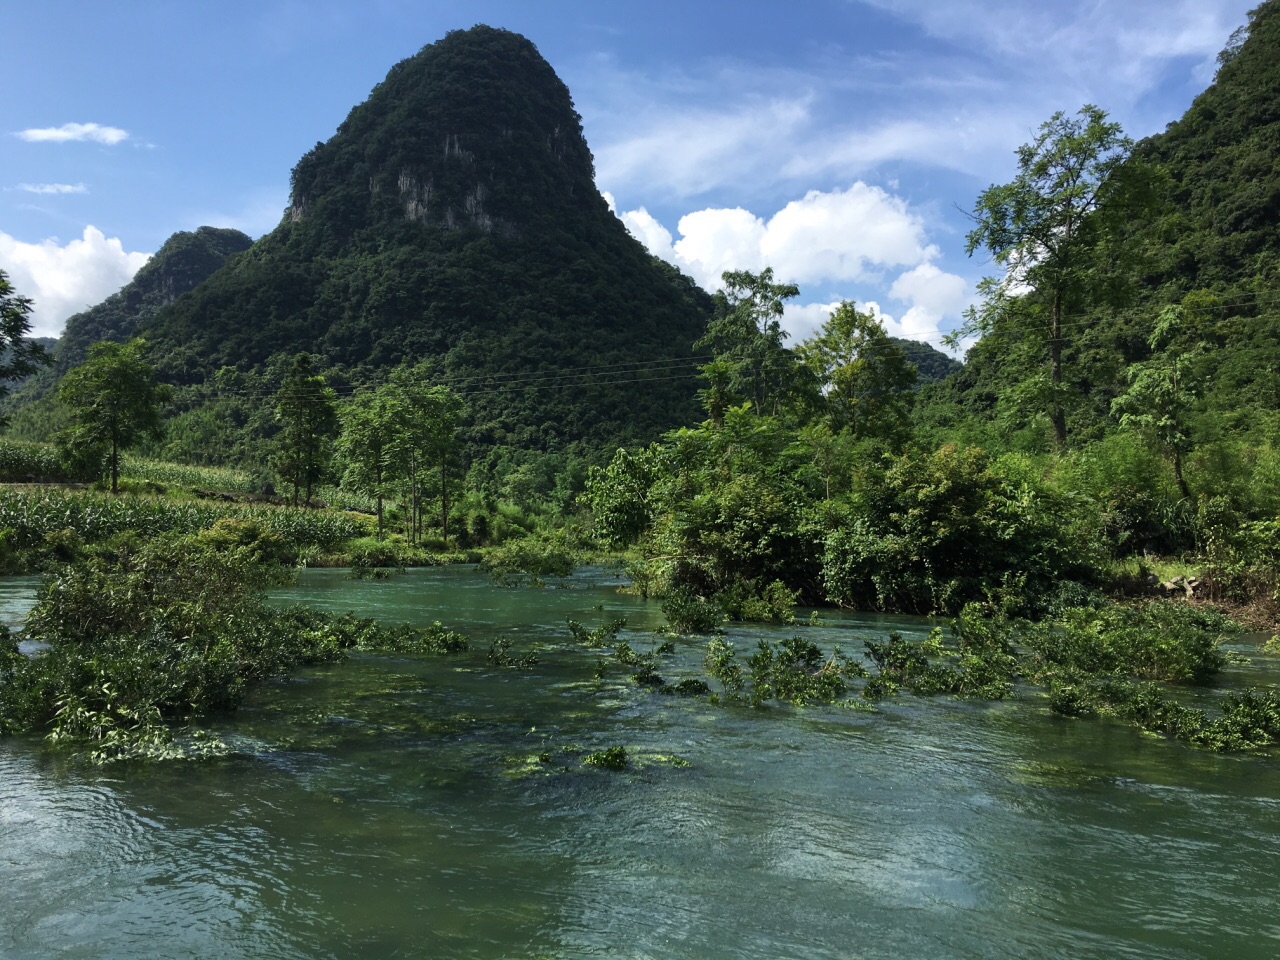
(620, 373)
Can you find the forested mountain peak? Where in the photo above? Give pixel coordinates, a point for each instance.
(453, 221)
(474, 131)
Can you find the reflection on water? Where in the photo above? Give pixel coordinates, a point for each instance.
(388, 807)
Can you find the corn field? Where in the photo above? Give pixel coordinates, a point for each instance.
(22, 462)
(27, 517)
(181, 475)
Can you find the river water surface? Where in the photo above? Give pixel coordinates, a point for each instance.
(396, 806)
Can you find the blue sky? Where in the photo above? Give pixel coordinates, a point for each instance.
(838, 141)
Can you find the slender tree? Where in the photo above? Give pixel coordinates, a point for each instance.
(430, 438)
(115, 402)
(1163, 390)
(1043, 228)
(865, 378)
(305, 408)
(370, 445)
(749, 361)
(444, 411)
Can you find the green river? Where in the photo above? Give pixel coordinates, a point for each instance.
(394, 806)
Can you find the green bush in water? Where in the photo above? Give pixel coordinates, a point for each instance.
(168, 630)
(610, 758)
(1161, 640)
(533, 558)
(500, 656)
(797, 671)
(144, 634)
(406, 639)
(1250, 719)
(776, 603)
(687, 612)
(601, 636)
(901, 663)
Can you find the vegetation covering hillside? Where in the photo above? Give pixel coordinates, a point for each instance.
(1208, 243)
(183, 262)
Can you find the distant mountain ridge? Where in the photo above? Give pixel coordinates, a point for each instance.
(183, 261)
(931, 363)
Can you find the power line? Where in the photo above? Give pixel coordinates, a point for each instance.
(620, 372)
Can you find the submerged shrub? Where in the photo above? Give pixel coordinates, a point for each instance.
(406, 639)
(144, 634)
(687, 612)
(500, 656)
(531, 558)
(797, 671)
(776, 603)
(901, 663)
(720, 664)
(1250, 719)
(601, 636)
(1160, 640)
(610, 758)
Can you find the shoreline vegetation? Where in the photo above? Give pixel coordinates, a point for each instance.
(151, 624)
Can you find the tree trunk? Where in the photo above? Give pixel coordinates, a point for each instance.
(1056, 413)
(115, 466)
(444, 502)
(1177, 475)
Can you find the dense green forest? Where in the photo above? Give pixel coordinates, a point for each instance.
(450, 334)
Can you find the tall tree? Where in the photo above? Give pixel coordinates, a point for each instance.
(431, 422)
(1043, 228)
(749, 361)
(370, 445)
(864, 376)
(115, 402)
(1163, 390)
(19, 356)
(305, 408)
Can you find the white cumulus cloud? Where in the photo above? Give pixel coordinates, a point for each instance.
(715, 240)
(650, 232)
(841, 235)
(931, 295)
(843, 240)
(69, 132)
(63, 279)
(53, 188)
